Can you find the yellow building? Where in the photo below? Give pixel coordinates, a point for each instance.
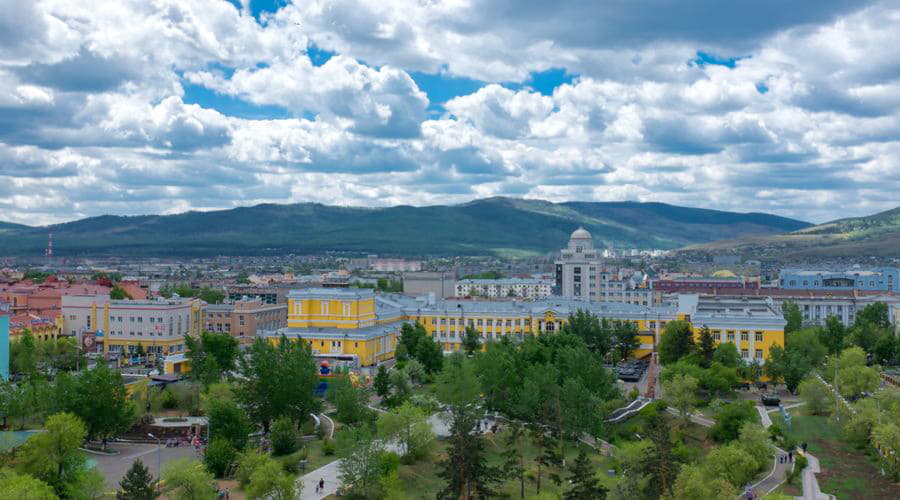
(343, 324)
(361, 327)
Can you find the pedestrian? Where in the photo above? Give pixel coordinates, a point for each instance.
(322, 485)
(790, 456)
(317, 487)
(804, 446)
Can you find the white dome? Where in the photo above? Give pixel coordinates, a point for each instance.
(581, 234)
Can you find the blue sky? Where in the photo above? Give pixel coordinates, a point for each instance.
(207, 104)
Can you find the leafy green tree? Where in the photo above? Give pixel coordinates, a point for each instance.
(401, 388)
(457, 384)
(833, 335)
(585, 485)
(430, 354)
(466, 470)
(624, 340)
(187, 479)
(754, 440)
(875, 314)
(284, 437)
(808, 342)
(727, 354)
(496, 369)
(269, 482)
(789, 365)
(382, 383)
(227, 420)
(694, 482)
(212, 355)
(816, 395)
(102, 402)
(278, 380)
(137, 484)
(887, 348)
(731, 463)
(53, 455)
(865, 335)
(118, 293)
(219, 456)
(706, 347)
(854, 377)
(677, 342)
(681, 393)
(409, 426)
(416, 372)
(210, 295)
(360, 451)
(662, 465)
(597, 334)
(247, 463)
(471, 341)
(580, 408)
(349, 401)
(23, 355)
(730, 419)
(792, 315)
(25, 487)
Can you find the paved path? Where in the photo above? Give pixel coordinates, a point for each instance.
(113, 467)
(779, 470)
(811, 489)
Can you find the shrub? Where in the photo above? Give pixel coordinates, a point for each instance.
(284, 438)
(328, 447)
(247, 462)
(219, 455)
(168, 400)
(730, 420)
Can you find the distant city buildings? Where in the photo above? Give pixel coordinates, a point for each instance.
(505, 287)
(881, 279)
(440, 284)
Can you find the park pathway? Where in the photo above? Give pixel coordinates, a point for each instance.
(779, 470)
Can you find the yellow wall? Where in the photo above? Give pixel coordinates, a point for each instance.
(365, 350)
(337, 313)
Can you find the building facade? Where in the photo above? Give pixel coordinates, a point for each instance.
(880, 279)
(126, 328)
(244, 319)
(581, 274)
(442, 285)
(505, 287)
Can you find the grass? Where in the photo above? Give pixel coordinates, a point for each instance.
(847, 472)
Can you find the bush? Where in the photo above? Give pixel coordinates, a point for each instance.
(730, 420)
(168, 400)
(284, 438)
(291, 463)
(388, 462)
(328, 447)
(800, 463)
(247, 462)
(219, 455)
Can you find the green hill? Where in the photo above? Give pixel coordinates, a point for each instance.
(874, 235)
(488, 226)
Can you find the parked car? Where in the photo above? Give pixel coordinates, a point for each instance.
(769, 399)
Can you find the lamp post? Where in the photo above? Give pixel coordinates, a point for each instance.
(158, 460)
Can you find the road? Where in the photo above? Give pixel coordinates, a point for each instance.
(113, 467)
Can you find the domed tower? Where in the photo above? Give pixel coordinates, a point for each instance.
(581, 240)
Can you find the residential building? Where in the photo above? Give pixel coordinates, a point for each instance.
(41, 327)
(395, 265)
(505, 287)
(419, 284)
(582, 274)
(244, 319)
(4, 341)
(267, 294)
(125, 328)
(879, 279)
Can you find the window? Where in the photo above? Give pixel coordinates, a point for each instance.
(731, 336)
(745, 336)
(324, 308)
(759, 354)
(744, 353)
(759, 336)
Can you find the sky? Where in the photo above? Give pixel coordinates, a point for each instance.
(158, 106)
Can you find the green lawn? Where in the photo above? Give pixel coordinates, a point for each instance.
(847, 472)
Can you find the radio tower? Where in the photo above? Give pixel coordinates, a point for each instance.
(49, 251)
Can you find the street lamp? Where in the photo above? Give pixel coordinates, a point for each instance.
(158, 460)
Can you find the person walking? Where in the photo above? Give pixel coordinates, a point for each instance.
(790, 457)
(321, 485)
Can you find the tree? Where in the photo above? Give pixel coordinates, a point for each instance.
(53, 456)
(430, 354)
(625, 340)
(585, 485)
(247, 463)
(187, 479)
(227, 420)
(269, 482)
(809, 344)
(514, 455)
(597, 334)
(727, 354)
(212, 355)
(382, 383)
(102, 402)
(118, 293)
(854, 377)
(754, 440)
(349, 401)
(875, 314)
(25, 487)
(416, 372)
(409, 426)
(731, 463)
(471, 341)
(816, 395)
(661, 465)
(730, 419)
(694, 483)
(681, 393)
(284, 437)
(278, 381)
(23, 355)
(401, 388)
(866, 334)
(790, 365)
(457, 384)
(792, 315)
(137, 484)
(677, 342)
(466, 469)
(833, 335)
(219, 455)
(706, 347)
(887, 347)
(210, 295)
(359, 450)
